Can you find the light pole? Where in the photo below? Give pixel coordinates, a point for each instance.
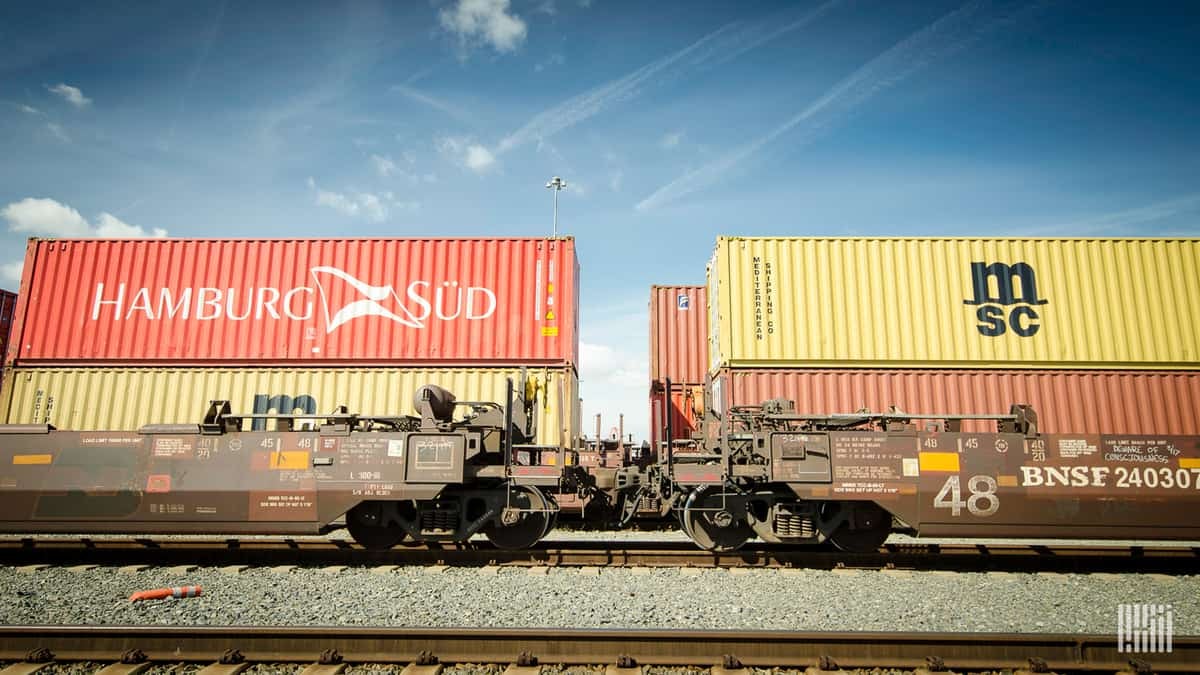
(556, 184)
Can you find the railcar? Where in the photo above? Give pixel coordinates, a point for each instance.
(441, 476)
(769, 472)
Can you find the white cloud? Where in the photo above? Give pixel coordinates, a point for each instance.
(10, 273)
(484, 21)
(58, 132)
(607, 363)
(373, 207)
(45, 216)
(28, 109)
(384, 165)
(112, 227)
(614, 380)
(71, 95)
(403, 168)
(48, 217)
(671, 140)
(479, 158)
(467, 153)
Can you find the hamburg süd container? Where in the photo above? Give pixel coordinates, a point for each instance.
(954, 302)
(87, 399)
(320, 301)
(1066, 401)
(678, 334)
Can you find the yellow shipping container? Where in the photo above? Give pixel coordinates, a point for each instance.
(127, 398)
(955, 302)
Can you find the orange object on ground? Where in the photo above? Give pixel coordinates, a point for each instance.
(162, 593)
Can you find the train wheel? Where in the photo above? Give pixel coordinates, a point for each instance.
(366, 524)
(527, 521)
(865, 529)
(711, 525)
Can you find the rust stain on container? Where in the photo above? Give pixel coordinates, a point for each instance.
(318, 301)
(678, 333)
(1067, 401)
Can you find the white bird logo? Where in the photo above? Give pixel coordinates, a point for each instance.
(369, 305)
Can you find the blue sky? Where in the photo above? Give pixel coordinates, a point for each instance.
(673, 122)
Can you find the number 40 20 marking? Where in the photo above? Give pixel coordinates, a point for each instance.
(982, 489)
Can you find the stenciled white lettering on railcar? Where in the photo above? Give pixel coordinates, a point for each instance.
(1119, 477)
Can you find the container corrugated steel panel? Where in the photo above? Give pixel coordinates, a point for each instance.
(678, 333)
(686, 407)
(333, 301)
(126, 398)
(985, 303)
(8, 307)
(1159, 403)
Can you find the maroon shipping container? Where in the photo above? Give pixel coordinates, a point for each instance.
(394, 301)
(1160, 403)
(8, 307)
(686, 407)
(678, 333)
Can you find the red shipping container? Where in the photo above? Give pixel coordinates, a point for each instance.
(394, 301)
(1066, 401)
(685, 406)
(678, 333)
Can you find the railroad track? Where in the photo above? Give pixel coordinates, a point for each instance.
(29, 550)
(327, 651)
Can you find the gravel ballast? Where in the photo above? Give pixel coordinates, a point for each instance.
(660, 598)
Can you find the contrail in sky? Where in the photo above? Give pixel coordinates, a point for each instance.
(435, 103)
(725, 43)
(945, 36)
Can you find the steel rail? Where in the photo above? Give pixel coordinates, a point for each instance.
(17, 550)
(1079, 653)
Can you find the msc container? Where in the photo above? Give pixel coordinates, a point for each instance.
(126, 398)
(685, 405)
(319, 301)
(1160, 403)
(678, 333)
(982, 303)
